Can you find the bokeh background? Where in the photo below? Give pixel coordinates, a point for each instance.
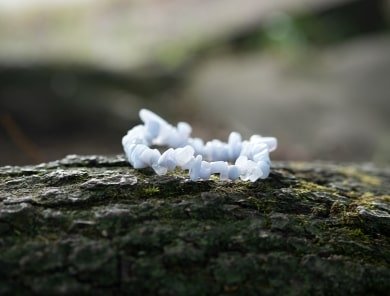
(315, 74)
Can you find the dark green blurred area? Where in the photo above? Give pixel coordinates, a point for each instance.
(317, 77)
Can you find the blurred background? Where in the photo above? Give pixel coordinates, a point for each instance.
(315, 74)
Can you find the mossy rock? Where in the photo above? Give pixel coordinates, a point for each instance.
(92, 224)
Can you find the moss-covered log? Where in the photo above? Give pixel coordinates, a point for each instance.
(86, 224)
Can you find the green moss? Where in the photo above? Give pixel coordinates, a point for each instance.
(357, 234)
(257, 204)
(352, 172)
(370, 201)
(238, 187)
(305, 187)
(150, 191)
(338, 209)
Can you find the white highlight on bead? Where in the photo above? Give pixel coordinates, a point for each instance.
(250, 157)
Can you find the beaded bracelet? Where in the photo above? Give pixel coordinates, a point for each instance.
(250, 157)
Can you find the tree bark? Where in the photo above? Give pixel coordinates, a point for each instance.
(88, 224)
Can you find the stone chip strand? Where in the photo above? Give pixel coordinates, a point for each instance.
(251, 157)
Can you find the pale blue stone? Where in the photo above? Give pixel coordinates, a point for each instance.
(216, 166)
(167, 160)
(261, 156)
(271, 142)
(184, 129)
(147, 116)
(249, 170)
(234, 172)
(188, 165)
(258, 148)
(243, 164)
(234, 144)
(208, 151)
(160, 170)
(135, 157)
(256, 139)
(234, 137)
(205, 170)
(195, 169)
(254, 172)
(152, 129)
(245, 149)
(221, 152)
(241, 161)
(221, 168)
(265, 169)
(197, 144)
(150, 156)
(215, 150)
(129, 150)
(183, 155)
(164, 135)
(174, 140)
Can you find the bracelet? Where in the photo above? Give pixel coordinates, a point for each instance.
(250, 157)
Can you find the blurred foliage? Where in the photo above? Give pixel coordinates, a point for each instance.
(334, 25)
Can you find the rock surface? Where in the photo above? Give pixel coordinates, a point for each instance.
(92, 223)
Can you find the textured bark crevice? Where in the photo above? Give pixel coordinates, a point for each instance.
(92, 223)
